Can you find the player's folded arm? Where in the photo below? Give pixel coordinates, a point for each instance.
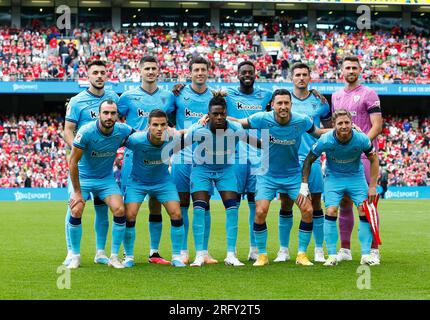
(307, 165)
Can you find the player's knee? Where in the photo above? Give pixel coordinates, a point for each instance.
(260, 212)
(118, 211)
(331, 211)
(175, 214)
(77, 210)
(230, 204)
(307, 212)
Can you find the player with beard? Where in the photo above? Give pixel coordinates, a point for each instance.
(83, 109)
(242, 102)
(365, 108)
(91, 171)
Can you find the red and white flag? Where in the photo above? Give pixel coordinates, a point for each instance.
(372, 215)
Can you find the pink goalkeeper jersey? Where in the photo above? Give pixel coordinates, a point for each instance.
(360, 102)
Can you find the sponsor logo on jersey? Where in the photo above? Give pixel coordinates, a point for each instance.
(153, 161)
(274, 140)
(189, 113)
(342, 161)
(106, 154)
(78, 138)
(241, 106)
(93, 114)
(356, 98)
(141, 113)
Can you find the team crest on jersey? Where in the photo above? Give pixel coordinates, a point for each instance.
(78, 138)
(314, 106)
(163, 101)
(356, 98)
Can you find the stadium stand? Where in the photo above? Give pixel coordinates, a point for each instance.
(33, 154)
(43, 54)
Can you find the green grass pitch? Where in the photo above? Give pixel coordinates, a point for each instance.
(33, 247)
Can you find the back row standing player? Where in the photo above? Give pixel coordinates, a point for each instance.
(83, 109)
(135, 105)
(243, 102)
(191, 104)
(364, 106)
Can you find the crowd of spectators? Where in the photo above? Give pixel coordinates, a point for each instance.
(404, 151)
(33, 153)
(386, 56)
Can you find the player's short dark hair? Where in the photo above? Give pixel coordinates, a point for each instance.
(280, 92)
(245, 63)
(198, 60)
(341, 112)
(352, 59)
(157, 113)
(148, 58)
(300, 65)
(96, 63)
(218, 99)
(107, 101)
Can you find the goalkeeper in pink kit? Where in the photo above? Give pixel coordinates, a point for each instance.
(364, 105)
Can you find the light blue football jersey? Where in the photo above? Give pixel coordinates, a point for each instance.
(282, 156)
(241, 105)
(150, 162)
(190, 106)
(136, 104)
(99, 149)
(317, 111)
(84, 107)
(215, 150)
(343, 158)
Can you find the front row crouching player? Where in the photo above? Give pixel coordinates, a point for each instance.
(283, 174)
(345, 176)
(213, 163)
(150, 176)
(91, 161)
